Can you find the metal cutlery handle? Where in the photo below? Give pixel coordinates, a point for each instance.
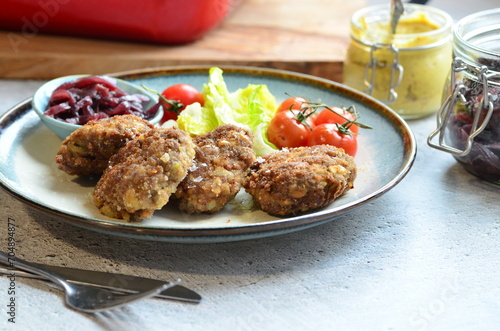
(27, 266)
(129, 284)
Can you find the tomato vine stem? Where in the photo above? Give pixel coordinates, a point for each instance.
(311, 108)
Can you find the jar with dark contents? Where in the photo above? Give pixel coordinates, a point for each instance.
(469, 118)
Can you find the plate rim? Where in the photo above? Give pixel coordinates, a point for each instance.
(220, 234)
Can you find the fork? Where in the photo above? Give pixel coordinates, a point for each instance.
(85, 298)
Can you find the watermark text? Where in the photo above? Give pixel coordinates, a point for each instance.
(11, 288)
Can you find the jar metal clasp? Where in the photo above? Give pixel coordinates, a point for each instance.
(458, 95)
(396, 75)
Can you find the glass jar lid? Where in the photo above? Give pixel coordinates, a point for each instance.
(419, 27)
(477, 39)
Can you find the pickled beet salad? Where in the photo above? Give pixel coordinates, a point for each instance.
(484, 158)
(95, 97)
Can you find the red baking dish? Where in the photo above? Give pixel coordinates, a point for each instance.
(151, 21)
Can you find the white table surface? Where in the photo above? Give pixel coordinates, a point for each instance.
(424, 256)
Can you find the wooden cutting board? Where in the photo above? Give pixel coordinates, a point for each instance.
(304, 36)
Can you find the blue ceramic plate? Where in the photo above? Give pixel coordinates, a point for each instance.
(28, 171)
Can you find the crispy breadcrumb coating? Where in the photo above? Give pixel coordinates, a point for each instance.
(143, 174)
(222, 159)
(88, 149)
(299, 179)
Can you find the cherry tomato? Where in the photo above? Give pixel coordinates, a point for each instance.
(178, 97)
(328, 116)
(328, 134)
(294, 103)
(286, 131)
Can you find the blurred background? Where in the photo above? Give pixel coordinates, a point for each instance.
(457, 9)
(303, 36)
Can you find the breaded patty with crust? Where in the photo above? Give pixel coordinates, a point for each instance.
(222, 159)
(143, 174)
(88, 149)
(299, 179)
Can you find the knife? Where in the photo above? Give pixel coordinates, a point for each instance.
(118, 282)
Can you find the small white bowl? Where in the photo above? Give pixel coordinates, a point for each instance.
(62, 129)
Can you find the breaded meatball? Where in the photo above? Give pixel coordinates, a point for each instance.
(88, 149)
(222, 159)
(143, 174)
(299, 179)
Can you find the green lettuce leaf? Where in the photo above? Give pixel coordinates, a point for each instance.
(252, 107)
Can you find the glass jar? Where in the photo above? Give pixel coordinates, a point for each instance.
(469, 119)
(406, 70)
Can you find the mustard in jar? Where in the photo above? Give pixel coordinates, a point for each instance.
(406, 70)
